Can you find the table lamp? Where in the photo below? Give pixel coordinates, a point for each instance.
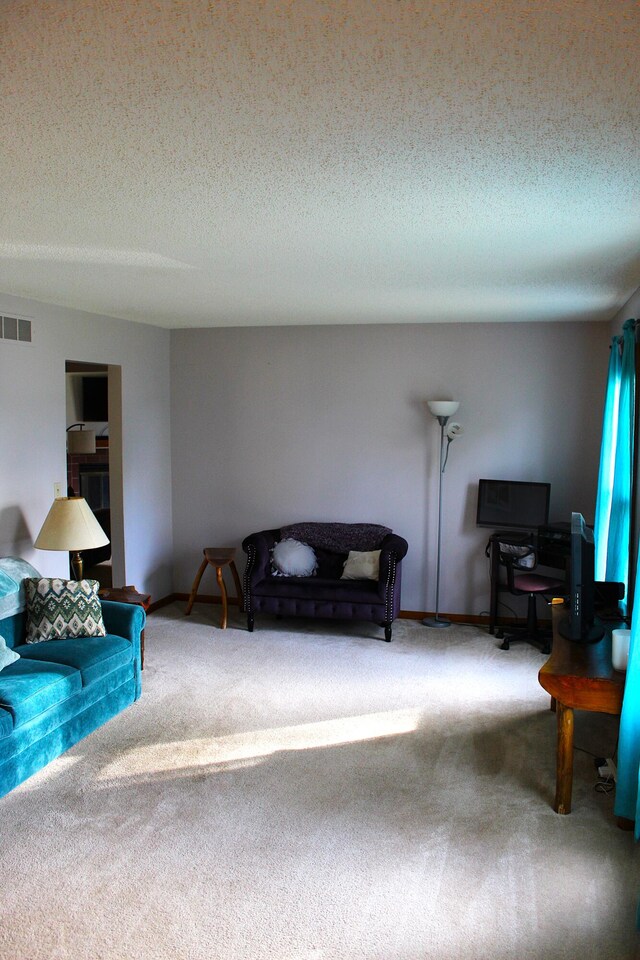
(71, 525)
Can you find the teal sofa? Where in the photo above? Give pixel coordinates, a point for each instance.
(58, 691)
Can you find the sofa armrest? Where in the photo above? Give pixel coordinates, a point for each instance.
(392, 543)
(258, 547)
(127, 620)
(392, 550)
(124, 620)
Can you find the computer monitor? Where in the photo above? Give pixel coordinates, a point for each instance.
(513, 504)
(580, 624)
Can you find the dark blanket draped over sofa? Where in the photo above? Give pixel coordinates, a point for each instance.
(325, 594)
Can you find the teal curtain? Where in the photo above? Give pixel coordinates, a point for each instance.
(627, 802)
(615, 480)
(616, 489)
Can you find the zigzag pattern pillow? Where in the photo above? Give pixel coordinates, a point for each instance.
(62, 609)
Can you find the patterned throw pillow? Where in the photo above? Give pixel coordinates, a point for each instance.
(62, 609)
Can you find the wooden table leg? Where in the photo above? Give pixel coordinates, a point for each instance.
(196, 584)
(223, 595)
(237, 583)
(564, 759)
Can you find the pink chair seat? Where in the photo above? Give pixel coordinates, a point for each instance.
(537, 583)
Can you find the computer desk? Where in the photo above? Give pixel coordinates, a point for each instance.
(553, 553)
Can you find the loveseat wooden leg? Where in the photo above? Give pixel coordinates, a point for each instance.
(250, 622)
(387, 632)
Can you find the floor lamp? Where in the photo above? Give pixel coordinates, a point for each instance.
(442, 410)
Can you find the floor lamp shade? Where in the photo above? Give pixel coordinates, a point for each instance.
(442, 410)
(70, 525)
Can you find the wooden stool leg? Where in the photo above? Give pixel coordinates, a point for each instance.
(564, 759)
(223, 595)
(196, 584)
(237, 583)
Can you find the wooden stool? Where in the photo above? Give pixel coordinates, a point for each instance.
(218, 557)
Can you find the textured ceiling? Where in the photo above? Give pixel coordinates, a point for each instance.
(189, 163)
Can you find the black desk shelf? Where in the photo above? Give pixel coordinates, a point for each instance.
(552, 546)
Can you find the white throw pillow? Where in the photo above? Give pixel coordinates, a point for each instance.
(7, 655)
(361, 565)
(291, 558)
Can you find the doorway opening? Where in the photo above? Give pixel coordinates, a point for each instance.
(94, 459)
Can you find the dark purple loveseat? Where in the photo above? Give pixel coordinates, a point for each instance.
(325, 594)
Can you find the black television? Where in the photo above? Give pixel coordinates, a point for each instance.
(95, 399)
(513, 504)
(580, 623)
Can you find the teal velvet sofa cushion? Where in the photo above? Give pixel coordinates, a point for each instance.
(58, 691)
(6, 723)
(93, 657)
(29, 688)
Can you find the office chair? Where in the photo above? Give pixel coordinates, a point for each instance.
(520, 560)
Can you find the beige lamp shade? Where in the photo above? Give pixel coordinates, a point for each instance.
(70, 525)
(81, 441)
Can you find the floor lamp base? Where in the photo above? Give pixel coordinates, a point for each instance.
(436, 622)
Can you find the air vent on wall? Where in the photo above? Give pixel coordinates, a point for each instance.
(15, 328)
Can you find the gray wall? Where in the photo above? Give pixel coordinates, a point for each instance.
(274, 425)
(32, 434)
(267, 426)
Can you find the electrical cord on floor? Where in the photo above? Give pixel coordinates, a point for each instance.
(501, 603)
(596, 756)
(602, 784)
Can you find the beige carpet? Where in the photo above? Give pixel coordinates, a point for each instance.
(315, 795)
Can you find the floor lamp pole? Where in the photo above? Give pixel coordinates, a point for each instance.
(438, 621)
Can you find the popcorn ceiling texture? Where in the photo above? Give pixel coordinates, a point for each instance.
(247, 162)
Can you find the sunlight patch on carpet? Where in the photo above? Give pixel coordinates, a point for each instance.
(189, 754)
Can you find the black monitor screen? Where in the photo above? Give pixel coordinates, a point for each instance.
(95, 404)
(516, 504)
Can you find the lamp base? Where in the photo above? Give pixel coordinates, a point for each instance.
(76, 564)
(436, 622)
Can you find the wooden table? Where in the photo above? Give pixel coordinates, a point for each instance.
(579, 676)
(217, 557)
(128, 595)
